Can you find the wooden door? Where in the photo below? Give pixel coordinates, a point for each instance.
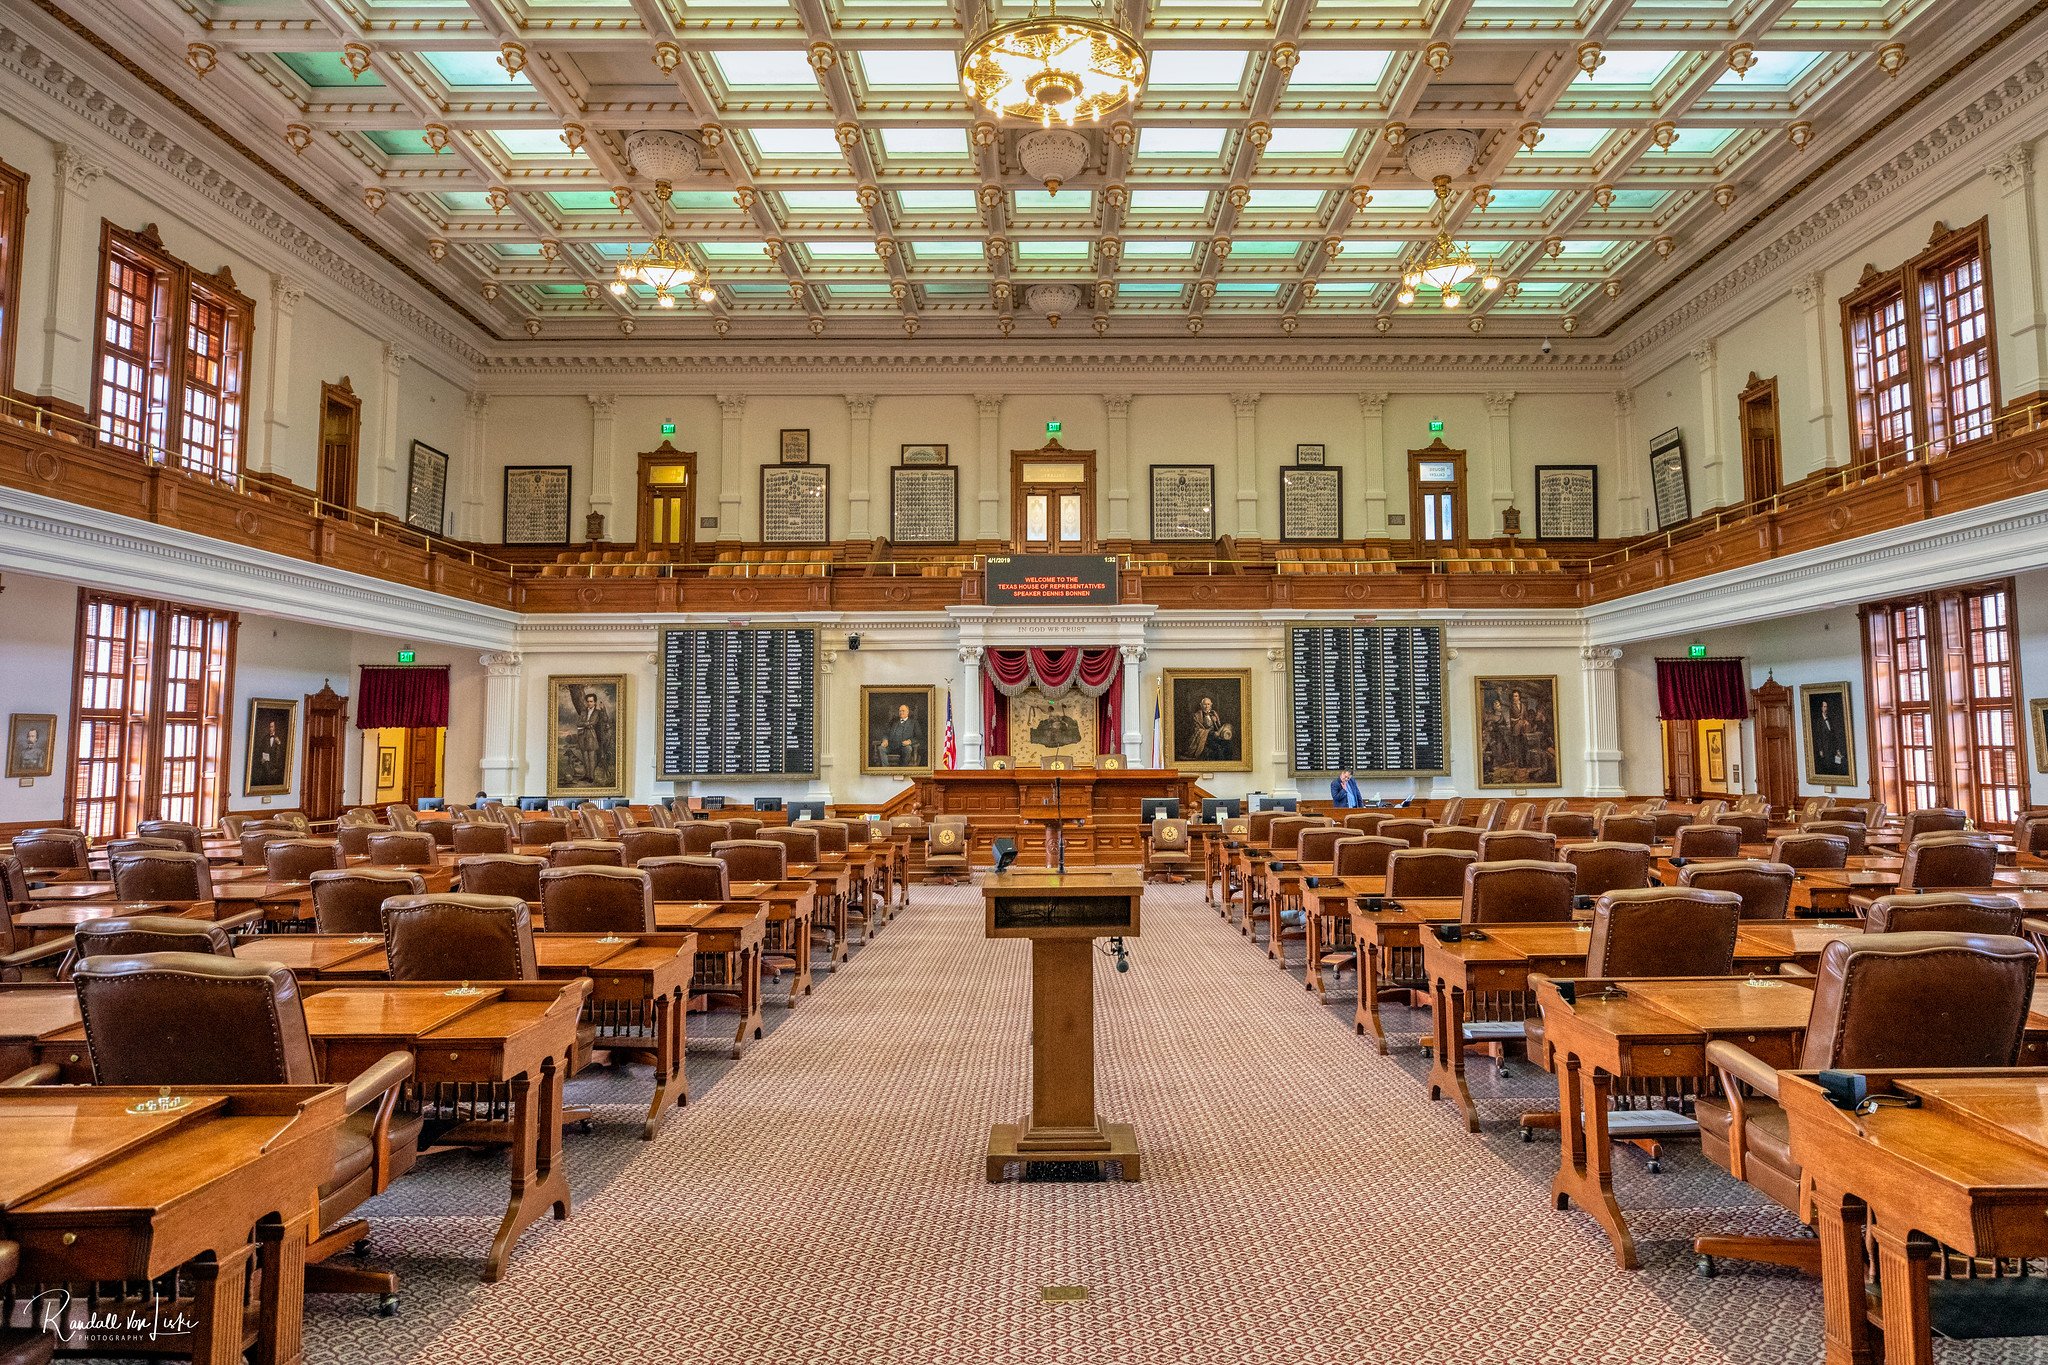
(341, 424)
(668, 502)
(422, 764)
(1052, 500)
(325, 743)
(1681, 760)
(1437, 516)
(1777, 758)
(1763, 465)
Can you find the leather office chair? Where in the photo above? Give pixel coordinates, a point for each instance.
(661, 817)
(1936, 820)
(355, 839)
(131, 935)
(1519, 892)
(1604, 867)
(481, 837)
(690, 877)
(1316, 843)
(402, 818)
(799, 844)
(1664, 931)
(1428, 871)
(1854, 814)
(1669, 822)
(744, 826)
(1481, 815)
(1571, 824)
(1167, 849)
(1284, 836)
(502, 874)
(945, 849)
(1944, 912)
(1628, 829)
(2030, 834)
(1802, 851)
(1453, 812)
(178, 1019)
(295, 860)
(403, 848)
(700, 835)
(1366, 821)
(162, 876)
(1765, 888)
(1949, 860)
(187, 835)
(116, 847)
(586, 853)
(1259, 824)
(441, 829)
(1851, 832)
(352, 901)
(542, 830)
(51, 849)
(752, 860)
(1466, 837)
(1519, 816)
(1753, 827)
(650, 841)
(1527, 845)
(457, 937)
(597, 900)
(833, 836)
(231, 826)
(1363, 855)
(623, 817)
(1752, 804)
(1709, 811)
(596, 822)
(1408, 830)
(1603, 809)
(1881, 1002)
(256, 837)
(1707, 842)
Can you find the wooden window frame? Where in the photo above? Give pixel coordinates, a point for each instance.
(13, 226)
(1461, 521)
(1916, 284)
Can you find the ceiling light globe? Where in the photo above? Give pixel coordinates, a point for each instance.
(1405, 297)
(618, 287)
(664, 300)
(707, 294)
(1453, 300)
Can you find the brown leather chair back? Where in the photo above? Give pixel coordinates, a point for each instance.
(597, 900)
(1709, 811)
(1518, 892)
(116, 847)
(1949, 860)
(133, 935)
(187, 835)
(700, 835)
(193, 1019)
(744, 826)
(1481, 815)
(650, 841)
(1571, 824)
(1707, 842)
(1858, 815)
(1169, 836)
(1428, 871)
(13, 883)
(482, 837)
(453, 937)
(1408, 830)
(1851, 832)
(542, 830)
(799, 843)
(162, 876)
(1363, 855)
(352, 901)
(1889, 1001)
(597, 822)
(752, 860)
(1604, 867)
(1754, 826)
(1453, 812)
(1944, 912)
(1285, 834)
(1519, 816)
(1669, 822)
(1518, 845)
(1259, 824)
(2030, 834)
(1810, 850)
(402, 817)
(256, 836)
(295, 860)
(1664, 931)
(51, 849)
(1935, 820)
(586, 853)
(831, 835)
(502, 874)
(1765, 888)
(660, 816)
(355, 839)
(1366, 821)
(404, 848)
(1315, 844)
(441, 829)
(1628, 829)
(690, 877)
(1466, 837)
(945, 839)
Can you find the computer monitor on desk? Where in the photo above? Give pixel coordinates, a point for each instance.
(712, 803)
(767, 803)
(436, 803)
(1216, 809)
(807, 809)
(1159, 808)
(1273, 802)
(533, 803)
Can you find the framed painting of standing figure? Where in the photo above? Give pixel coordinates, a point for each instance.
(589, 736)
(1206, 720)
(1518, 732)
(1830, 748)
(267, 767)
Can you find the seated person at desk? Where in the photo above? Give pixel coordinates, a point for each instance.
(1344, 790)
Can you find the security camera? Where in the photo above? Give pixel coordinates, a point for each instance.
(1546, 345)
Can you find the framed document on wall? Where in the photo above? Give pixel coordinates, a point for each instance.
(1668, 480)
(537, 505)
(1311, 503)
(796, 504)
(924, 505)
(1567, 502)
(1183, 502)
(426, 493)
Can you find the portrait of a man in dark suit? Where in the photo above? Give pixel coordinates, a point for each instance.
(1830, 749)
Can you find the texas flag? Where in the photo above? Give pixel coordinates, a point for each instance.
(950, 754)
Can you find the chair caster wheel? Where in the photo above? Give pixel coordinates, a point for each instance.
(1705, 1266)
(387, 1305)
(359, 1248)
(585, 1127)
(1528, 1135)
(1656, 1167)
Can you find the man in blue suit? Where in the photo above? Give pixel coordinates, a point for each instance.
(1344, 791)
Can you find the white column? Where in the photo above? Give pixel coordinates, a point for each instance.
(2024, 356)
(604, 459)
(732, 411)
(284, 301)
(68, 311)
(1135, 725)
(471, 522)
(504, 773)
(1372, 427)
(1811, 292)
(386, 492)
(1602, 720)
(860, 440)
(1116, 412)
(1708, 491)
(967, 708)
(1246, 407)
(1633, 518)
(1500, 410)
(992, 474)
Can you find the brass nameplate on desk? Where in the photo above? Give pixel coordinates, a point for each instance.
(1062, 912)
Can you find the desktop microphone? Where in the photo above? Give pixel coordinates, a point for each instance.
(1123, 959)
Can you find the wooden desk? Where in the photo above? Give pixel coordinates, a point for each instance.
(1389, 942)
(1326, 912)
(730, 936)
(792, 915)
(518, 1035)
(94, 1193)
(830, 881)
(40, 1022)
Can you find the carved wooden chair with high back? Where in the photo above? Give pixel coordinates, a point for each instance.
(352, 901)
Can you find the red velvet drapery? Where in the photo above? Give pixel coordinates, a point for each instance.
(1702, 689)
(402, 698)
(1008, 671)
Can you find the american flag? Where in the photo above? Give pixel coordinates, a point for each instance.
(950, 754)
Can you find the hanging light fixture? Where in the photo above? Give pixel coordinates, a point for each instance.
(1053, 68)
(663, 268)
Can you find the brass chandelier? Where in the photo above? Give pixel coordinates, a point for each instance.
(1446, 266)
(1051, 68)
(664, 268)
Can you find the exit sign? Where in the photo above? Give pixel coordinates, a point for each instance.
(668, 428)
(1436, 426)
(1052, 428)
(405, 656)
(1696, 651)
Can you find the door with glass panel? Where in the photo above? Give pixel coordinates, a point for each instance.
(1436, 506)
(668, 502)
(1053, 502)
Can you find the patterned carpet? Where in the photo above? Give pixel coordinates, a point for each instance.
(821, 1200)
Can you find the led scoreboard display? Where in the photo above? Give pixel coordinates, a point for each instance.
(739, 702)
(1368, 698)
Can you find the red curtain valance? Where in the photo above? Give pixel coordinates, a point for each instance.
(1702, 689)
(1096, 672)
(402, 698)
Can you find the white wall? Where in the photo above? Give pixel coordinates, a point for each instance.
(284, 661)
(38, 621)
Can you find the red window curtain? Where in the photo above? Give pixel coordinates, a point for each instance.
(1006, 672)
(1702, 689)
(402, 699)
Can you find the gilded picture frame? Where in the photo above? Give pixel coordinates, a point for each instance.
(1206, 717)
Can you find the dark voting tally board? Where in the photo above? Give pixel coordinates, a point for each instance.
(1368, 698)
(739, 701)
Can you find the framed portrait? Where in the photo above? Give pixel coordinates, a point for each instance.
(1830, 746)
(1567, 502)
(924, 505)
(387, 768)
(587, 748)
(1207, 719)
(1183, 502)
(267, 755)
(1310, 454)
(1311, 503)
(2039, 707)
(1517, 724)
(31, 745)
(1669, 484)
(896, 738)
(796, 504)
(536, 507)
(926, 454)
(426, 491)
(796, 446)
(1716, 753)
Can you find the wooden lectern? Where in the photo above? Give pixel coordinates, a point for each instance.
(1062, 915)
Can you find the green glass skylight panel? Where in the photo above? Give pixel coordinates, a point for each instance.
(734, 251)
(1585, 249)
(517, 250)
(1627, 67)
(1283, 201)
(1401, 201)
(1199, 68)
(1170, 201)
(1068, 202)
(858, 289)
(1322, 68)
(758, 289)
(1350, 289)
(795, 142)
(841, 249)
(326, 70)
(935, 201)
(1263, 249)
(703, 201)
(1516, 201)
(583, 201)
(1149, 249)
(821, 201)
(1147, 287)
(1309, 142)
(924, 142)
(1371, 248)
(394, 143)
(617, 250)
(1486, 248)
(957, 289)
(940, 249)
(1545, 289)
(1695, 142)
(531, 141)
(908, 69)
(473, 71)
(464, 201)
(1638, 200)
(1567, 141)
(765, 69)
(1246, 288)
(1173, 141)
(1773, 71)
(1047, 251)
(562, 291)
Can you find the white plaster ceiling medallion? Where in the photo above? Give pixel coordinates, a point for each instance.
(665, 157)
(1053, 300)
(1441, 155)
(1052, 156)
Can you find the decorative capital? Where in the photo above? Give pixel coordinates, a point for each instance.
(1600, 658)
(2012, 167)
(1133, 654)
(602, 405)
(1499, 404)
(1116, 406)
(732, 406)
(1624, 402)
(988, 404)
(504, 665)
(394, 359)
(284, 295)
(1244, 404)
(860, 407)
(78, 172)
(1809, 289)
(1373, 405)
(478, 402)
(1703, 356)
(971, 654)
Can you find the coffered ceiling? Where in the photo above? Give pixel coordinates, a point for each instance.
(844, 185)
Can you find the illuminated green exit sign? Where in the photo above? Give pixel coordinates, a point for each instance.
(668, 428)
(1436, 426)
(1696, 651)
(405, 656)
(1052, 428)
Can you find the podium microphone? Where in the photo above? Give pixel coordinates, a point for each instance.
(1116, 950)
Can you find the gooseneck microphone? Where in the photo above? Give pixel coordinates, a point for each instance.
(1123, 958)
